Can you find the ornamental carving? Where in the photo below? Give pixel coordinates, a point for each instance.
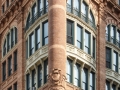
(56, 80)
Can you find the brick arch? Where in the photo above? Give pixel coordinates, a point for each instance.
(110, 20)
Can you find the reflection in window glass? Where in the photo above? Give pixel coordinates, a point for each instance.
(45, 31)
(87, 42)
(79, 37)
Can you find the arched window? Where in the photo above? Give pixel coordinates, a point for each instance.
(91, 19)
(28, 22)
(10, 41)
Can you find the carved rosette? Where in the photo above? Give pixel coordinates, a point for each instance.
(56, 80)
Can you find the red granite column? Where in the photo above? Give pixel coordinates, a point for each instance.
(57, 43)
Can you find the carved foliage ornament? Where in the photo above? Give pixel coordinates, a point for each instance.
(56, 80)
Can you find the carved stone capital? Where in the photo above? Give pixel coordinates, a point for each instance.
(56, 80)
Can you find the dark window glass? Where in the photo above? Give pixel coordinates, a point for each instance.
(113, 87)
(7, 3)
(31, 43)
(4, 48)
(45, 33)
(34, 79)
(3, 8)
(15, 35)
(37, 38)
(69, 32)
(108, 57)
(9, 65)
(85, 79)
(93, 54)
(87, 42)
(39, 76)
(107, 85)
(12, 41)
(4, 71)
(115, 61)
(69, 70)
(79, 37)
(15, 86)
(10, 88)
(77, 75)
(45, 71)
(26, 49)
(28, 22)
(92, 81)
(15, 60)
(28, 81)
(8, 42)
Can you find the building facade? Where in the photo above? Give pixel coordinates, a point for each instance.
(60, 45)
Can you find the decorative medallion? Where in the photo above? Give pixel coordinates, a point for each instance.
(56, 80)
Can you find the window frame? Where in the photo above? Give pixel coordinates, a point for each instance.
(72, 32)
(43, 32)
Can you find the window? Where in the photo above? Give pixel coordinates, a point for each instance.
(84, 10)
(108, 33)
(77, 75)
(4, 71)
(37, 38)
(28, 81)
(8, 42)
(87, 42)
(45, 71)
(45, 33)
(12, 38)
(92, 81)
(70, 32)
(34, 10)
(28, 22)
(15, 35)
(31, 43)
(79, 37)
(69, 70)
(107, 85)
(33, 78)
(113, 87)
(108, 57)
(93, 54)
(3, 9)
(115, 61)
(26, 49)
(4, 48)
(9, 65)
(85, 79)
(113, 34)
(119, 2)
(10, 88)
(15, 60)
(118, 38)
(91, 19)
(39, 76)
(15, 86)
(40, 5)
(7, 3)
(76, 7)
